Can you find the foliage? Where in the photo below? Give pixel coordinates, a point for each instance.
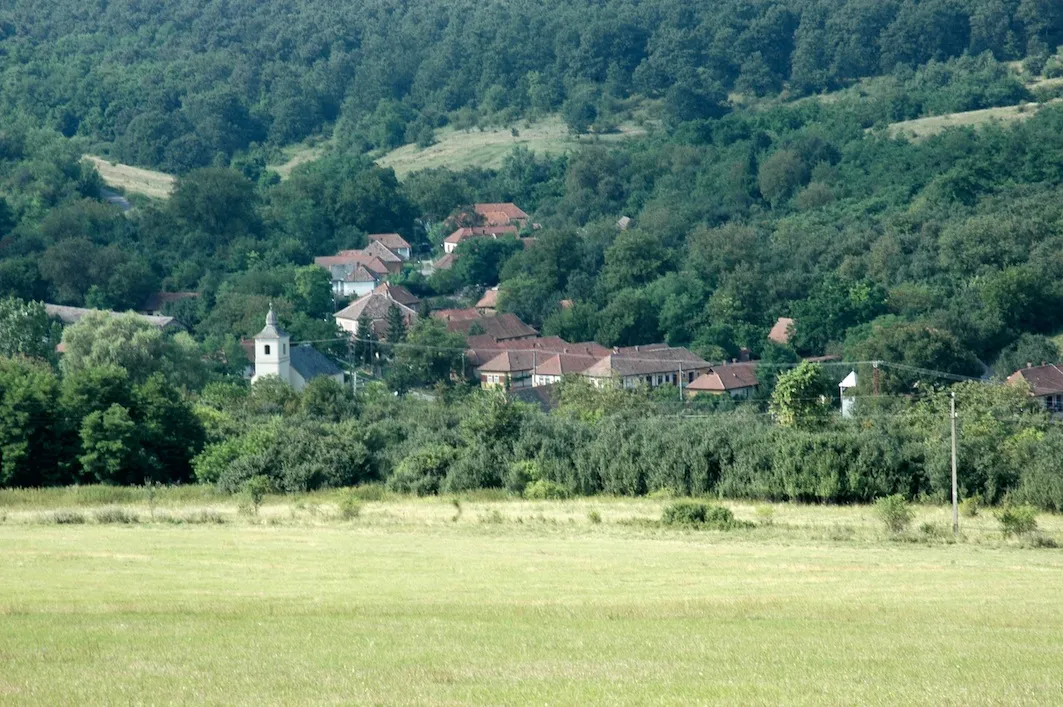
(543, 490)
(1017, 520)
(25, 330)
(799, 396)
(698, 515)
(350, 507)
(256, 489)
(894, 512)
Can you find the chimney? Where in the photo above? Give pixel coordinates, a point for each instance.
(734, 360)
(1029, 365)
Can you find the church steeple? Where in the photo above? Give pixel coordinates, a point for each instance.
(272, 355)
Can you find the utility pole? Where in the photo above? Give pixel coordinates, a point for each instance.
(955, 493)
(679, 381)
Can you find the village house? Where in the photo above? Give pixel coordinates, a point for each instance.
(375, 306)
(501, 327)
(1045, 382)
(353, 275)
(358, 272)
(652, 365)
(446, 262)
(488, 304)
(393, 242)
(736, 380)
(391, 261)
(295, 365)
(451, 242)
(782, 331)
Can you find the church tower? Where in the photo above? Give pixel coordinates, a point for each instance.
(272, 353)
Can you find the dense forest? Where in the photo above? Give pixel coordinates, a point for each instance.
(180, 84)
(767, 183)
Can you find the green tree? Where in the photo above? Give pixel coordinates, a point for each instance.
(801, 396)
(396, 332)
(780, 176)
(29, 425)
(26, 330)
(133, 344)
(431, 355)
(110, 449)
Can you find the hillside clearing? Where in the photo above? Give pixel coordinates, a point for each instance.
(297, 155)
(922, 128)
(133, 180)
(462, 149)
(517, 603)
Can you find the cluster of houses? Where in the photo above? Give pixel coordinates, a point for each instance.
(533, 362)
(358, 272)
(503, 351)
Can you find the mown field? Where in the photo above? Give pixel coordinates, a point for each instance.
(487, 148)
(514, 602)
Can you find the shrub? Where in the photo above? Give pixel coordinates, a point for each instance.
(1017, 520)
(594, 517)
(765, 515)
(207, 517)
(256, 489)
(543, 490)
(932, 531)
(115, 515)
(350, 508)
(369, 492)
(970, 507)
(66, 518)
(895, 512)
(698, 515)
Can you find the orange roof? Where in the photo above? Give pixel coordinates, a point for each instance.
(1043, 380)
(720, 379)
(489, 300)
(446, 262)
(391, 241)
(498, 214)
(564, 364)
(782, 331)
(465, 233)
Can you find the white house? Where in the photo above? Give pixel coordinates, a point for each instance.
(274, 356)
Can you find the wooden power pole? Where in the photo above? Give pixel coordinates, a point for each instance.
(955, 492)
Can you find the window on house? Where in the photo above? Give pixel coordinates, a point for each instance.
(284, 348)
(265, 349)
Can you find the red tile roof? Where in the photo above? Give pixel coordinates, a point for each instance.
(500, 213)
(566, 364)
(721, 379)
(1043, 380)
(466, 233)
(782, 331)
(398, 293)
(446, 262)
(489, 300)
(501, 327)
(389, 240)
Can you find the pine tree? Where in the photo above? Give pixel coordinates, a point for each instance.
(362, 350)
(396, 325)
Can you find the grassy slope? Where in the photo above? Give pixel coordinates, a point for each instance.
(460, 149)
(133, 180)
(404, 606)
(926, 127)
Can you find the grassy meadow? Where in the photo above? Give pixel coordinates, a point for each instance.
(133, 180)
(428, 601)
(487, 148)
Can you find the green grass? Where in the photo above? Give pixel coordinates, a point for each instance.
(518, 602)
(461, 149)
